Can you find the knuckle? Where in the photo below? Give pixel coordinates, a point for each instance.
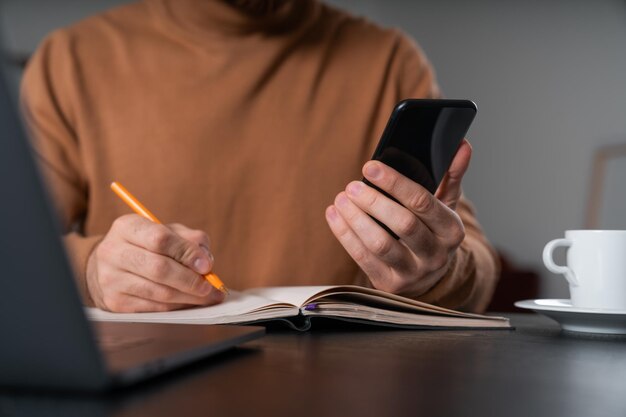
(160, 308)
(123, 222)
(198, 236)
(381, 246)
(158, 267)
(360, 255)
(127, 256)
(177, 228)
(390, 183)
(338, 199)
(119, 223)
(160, 238)
(155, 293)
(394, 286)
(113, 303)
(163, 294)
(138, 257)
(352, 217)
(422, 202)
(438, 261)
(408, 225)
(372, 198)
(343, 232)
(105, 249)
(138, 289)
(105, 279)
(457, 235)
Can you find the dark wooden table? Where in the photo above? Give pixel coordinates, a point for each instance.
(535, 370)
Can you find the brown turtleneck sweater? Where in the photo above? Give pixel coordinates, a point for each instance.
(243, 127)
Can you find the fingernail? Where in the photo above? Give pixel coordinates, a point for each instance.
(201, 265)
(373, 171)
(354, 188)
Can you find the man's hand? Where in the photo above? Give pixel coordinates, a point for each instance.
(143, 266)
(430, 230)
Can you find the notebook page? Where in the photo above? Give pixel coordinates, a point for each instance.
(237, 305)
(382, 315)
(297, 295)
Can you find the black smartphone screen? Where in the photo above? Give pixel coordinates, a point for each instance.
(422, 137)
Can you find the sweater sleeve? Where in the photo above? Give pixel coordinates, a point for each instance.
(469, 283)
(47, 90)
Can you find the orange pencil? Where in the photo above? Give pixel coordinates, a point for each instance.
(140, 209)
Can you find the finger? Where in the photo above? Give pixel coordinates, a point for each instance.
(449, 190)
(375, 269)
(353, 245)
(160, 239)
(375, 239)
(193, 235)
(160, 269)
(131, 284)
(404, 223)
(439, 218)
(125, 303)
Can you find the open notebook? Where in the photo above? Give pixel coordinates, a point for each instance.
(299, 306)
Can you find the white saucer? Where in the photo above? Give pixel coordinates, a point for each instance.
(576, 319)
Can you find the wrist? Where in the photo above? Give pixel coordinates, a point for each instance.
(90, 278)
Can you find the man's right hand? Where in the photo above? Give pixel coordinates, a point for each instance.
(144, 266)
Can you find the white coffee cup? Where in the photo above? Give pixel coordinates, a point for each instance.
(596, 267)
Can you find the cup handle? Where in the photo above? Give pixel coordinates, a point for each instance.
(558, 269)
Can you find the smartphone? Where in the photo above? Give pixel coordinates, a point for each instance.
(421, 139)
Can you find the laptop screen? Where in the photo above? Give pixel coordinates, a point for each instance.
(42, 324)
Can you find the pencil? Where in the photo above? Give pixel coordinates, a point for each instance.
(140, 209)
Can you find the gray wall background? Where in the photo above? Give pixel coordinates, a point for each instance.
(549, 78)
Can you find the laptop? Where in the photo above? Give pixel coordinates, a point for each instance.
(46, 340)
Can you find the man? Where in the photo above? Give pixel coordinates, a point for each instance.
(244, 120)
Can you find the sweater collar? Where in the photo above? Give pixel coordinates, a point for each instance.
(199, 19)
